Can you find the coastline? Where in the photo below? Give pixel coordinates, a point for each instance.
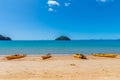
(62, 67)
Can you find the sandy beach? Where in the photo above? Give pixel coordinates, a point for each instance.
(60, 68)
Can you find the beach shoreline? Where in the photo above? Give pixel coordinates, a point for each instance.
(62, 67)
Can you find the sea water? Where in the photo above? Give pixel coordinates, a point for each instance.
(59, 47)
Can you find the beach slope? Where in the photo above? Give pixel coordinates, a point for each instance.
(60, 68)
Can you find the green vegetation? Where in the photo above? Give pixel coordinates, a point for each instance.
(63, 38)
(4, 38)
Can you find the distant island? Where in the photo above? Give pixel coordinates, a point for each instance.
(4, 38)
(63, 38)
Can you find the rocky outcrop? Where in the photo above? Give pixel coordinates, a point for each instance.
(4, 38)
(63, 38)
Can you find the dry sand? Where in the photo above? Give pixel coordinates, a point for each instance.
(60, 68)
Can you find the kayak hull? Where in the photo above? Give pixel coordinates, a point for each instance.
(15, 57)
(46, 56)
(81, 56)
(104, 55)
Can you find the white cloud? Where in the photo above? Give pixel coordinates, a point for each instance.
(67, 4)
(52, 3)
(50, 9)
(104, 1)
(101, 1)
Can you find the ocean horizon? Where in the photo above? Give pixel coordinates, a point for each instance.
(38, 47)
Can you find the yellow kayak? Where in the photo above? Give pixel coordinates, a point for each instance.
(46, 56)
(104, 55)
(79, 56)
(15, 56)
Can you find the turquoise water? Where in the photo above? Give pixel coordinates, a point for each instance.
(59, 47)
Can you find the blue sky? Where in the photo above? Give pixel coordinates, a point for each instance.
(48, 19)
